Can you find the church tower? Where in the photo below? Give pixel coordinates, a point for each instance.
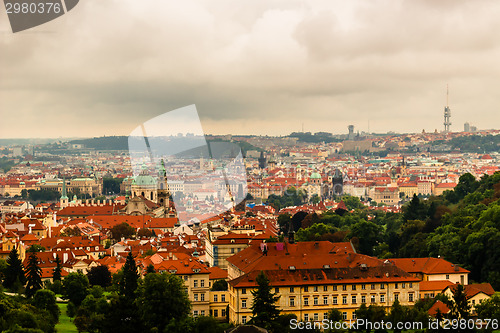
(63, 202)
(163, 190)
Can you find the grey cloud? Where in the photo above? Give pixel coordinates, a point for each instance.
(264, 66)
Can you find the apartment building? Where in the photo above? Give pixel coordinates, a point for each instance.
(311, 278)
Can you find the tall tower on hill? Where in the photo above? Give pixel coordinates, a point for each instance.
(447, 114)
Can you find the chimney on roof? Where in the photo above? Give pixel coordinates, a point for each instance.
(456, 268)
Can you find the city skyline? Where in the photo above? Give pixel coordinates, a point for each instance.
(265, 68)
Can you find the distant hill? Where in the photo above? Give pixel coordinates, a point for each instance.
(473, 143)
(27, 141)
(121, 143)
(314, 138)
(104, 143)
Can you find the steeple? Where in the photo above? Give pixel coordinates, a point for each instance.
(64, 193)
(63, 202)
(163, 191)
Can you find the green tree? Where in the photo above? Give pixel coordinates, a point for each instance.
(490, 308)
(56, 276)
(315, 199)
(334, 315)
(397, 314)
(352, 202)
(75, 288)
(33, 275)
(35, 248)
(368, 234)
(46, 300)
(460, 306)
(92, 313)
(14, 273)
(143, 232)
(122, 230)
(164, 300)
(3, 268)
(150, 269)
(284, 222)
(415, 210)
(219, 285)
(264, 309)
(100, 276)
(129, 279)
(372, 313)
(466, 184)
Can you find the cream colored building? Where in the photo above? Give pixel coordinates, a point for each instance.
(476, 293)
(433, 269)
(311, 278)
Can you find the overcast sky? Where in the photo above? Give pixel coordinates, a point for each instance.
(253, 67)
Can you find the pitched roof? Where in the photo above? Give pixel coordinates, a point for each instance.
(472, 290)
(443, 308)
(428, 266)
(283, 276)
(317, 261)
(434, 285)
(217, 273)
(90, 210)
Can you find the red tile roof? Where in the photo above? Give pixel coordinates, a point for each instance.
(438, 285)
(217, 273)
(443, 308)
(428, 266)
(473, 289)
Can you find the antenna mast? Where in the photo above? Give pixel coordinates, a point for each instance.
(447, 113)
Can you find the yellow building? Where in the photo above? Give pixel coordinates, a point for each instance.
(311, 278)
(386, 195)
(219, 301)
(409, 189)
(218, 250)
(476, 293)
(442, 187)
(194, 274)
(11, 241)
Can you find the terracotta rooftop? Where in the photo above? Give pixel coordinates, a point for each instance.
(434, 285)
(428, 266)
(443, 308)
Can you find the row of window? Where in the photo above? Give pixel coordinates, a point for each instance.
(195, 283)
(354, 299)
(222, 298)
(201, 313)
(344, 287)
(215, 313)
(315, 317)
(201, 297)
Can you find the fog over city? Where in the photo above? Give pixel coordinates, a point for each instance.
(255, 67)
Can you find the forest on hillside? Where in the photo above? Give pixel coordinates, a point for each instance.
(462, 226)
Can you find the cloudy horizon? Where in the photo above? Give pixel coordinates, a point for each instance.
(260, 67)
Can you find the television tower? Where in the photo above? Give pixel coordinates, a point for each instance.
(447, 114)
